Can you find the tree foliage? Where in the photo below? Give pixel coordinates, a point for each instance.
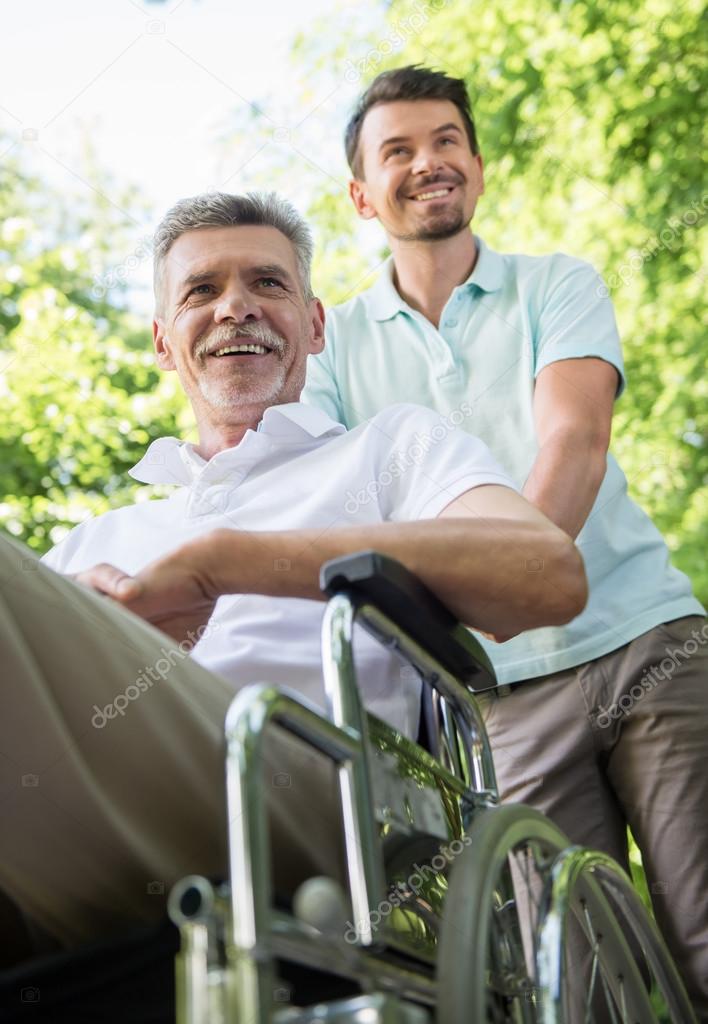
(80, 395)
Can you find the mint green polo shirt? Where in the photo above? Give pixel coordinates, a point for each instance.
(513, 316)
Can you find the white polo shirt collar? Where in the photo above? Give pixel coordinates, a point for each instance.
(383, 301)
(171, 461)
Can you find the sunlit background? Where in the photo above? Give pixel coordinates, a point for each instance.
(589, 114)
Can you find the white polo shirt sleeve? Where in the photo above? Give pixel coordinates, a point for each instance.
(425, 461)
(576, 318)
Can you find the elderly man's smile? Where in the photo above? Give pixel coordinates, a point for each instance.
(247, 353)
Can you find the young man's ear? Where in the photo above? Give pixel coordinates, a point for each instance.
(480, 164)
(358, 195)
(317, 325)
(163, 354)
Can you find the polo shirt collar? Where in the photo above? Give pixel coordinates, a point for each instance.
(171, 461)
(383, 301)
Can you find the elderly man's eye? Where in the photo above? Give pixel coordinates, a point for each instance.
(199, 289)
(271, 282)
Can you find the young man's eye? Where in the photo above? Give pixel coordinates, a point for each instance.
(398, 151)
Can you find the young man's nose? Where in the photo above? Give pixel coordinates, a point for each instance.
(426, 161)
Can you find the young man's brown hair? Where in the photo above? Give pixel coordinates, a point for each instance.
(413, 82)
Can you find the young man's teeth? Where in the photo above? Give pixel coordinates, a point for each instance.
(433, 195)
(259, 350)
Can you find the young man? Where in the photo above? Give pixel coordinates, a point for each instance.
(590, 725)
(111, 738)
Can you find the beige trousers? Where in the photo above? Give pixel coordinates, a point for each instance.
(100, 816)
(620, 741)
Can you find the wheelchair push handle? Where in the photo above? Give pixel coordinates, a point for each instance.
(370, 577)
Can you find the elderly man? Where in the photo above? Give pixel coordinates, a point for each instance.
(111, 737)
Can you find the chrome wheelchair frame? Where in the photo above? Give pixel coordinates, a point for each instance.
(463, 947)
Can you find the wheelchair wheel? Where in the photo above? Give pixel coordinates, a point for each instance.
(486, 964)
(627, 971)
(537, 931)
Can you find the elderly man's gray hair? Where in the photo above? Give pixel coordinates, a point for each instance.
(221, 209)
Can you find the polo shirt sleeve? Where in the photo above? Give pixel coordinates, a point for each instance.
(576, 318)
(60, 556)
(53, 559)
(321, 388)
(424, 461)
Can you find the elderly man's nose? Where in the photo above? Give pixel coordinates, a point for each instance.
(237, 305)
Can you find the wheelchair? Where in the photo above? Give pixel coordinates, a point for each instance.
(455, 909)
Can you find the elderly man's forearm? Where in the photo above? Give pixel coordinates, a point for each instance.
(495, 575)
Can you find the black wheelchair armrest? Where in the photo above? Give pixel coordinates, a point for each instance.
(370, 577)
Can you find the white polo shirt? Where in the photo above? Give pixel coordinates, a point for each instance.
(299, 470)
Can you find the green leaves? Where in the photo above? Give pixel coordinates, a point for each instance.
(80, 394)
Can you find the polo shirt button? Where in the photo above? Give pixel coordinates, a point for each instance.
(450, 323)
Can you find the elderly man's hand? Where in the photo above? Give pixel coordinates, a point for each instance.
(174, 594)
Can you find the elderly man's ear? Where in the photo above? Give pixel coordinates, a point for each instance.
(317, 323)
(163, 355)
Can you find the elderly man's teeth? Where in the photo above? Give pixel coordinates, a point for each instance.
(432, 195)
(259, 350)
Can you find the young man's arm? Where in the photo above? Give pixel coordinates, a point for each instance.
(573, 401)
(495, 561)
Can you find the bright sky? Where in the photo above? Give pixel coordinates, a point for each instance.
(159, 89)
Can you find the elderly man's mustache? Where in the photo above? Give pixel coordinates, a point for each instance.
(229, 334)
